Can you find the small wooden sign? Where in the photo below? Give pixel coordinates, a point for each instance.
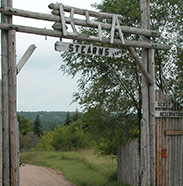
(169, 114)
(173, 132)
(163, 104)
(88, 49)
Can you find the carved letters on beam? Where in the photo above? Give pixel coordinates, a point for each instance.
(115, 25)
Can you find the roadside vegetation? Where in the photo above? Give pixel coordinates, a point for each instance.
(82, 168)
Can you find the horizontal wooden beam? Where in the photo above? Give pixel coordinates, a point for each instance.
(82, 37)
(80, 11)
(173, 132)
(79, 22)
(29, 14)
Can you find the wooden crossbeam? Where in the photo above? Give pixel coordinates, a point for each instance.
(81, 37)
(79, 22)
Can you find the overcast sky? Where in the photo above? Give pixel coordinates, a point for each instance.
(41, 86)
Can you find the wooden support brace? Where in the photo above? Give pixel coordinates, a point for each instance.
(25, 57)
(140, 65)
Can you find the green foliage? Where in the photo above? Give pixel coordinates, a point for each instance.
(67, 120)
(37, 126)
(65, 138)
(108, 130)
(25, 125)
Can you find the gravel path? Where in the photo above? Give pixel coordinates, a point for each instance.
(31, 175)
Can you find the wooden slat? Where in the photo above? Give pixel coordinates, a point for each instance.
(128, 163)
(173, 132)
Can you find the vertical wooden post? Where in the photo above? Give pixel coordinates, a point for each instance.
(1, 133)
(12, 107)
(152, 118)
(147, 176)
(10, 138)
(5, 101)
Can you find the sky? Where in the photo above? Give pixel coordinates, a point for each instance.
(40, 84)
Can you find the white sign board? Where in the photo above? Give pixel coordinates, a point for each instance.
(163, 104)
(169, 114)
(88, 49)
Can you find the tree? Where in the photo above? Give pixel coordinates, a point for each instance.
(25, 125)
(67, 120)
(75, 116)
(37, 126)
(114, 85)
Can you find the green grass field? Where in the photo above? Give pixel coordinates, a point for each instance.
(82, 168)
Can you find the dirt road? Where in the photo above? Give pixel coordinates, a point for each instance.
(31, 175)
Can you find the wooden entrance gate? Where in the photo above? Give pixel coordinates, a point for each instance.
(169, 142)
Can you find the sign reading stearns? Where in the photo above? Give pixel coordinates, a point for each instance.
(88, 49)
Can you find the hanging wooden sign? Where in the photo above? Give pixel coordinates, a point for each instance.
(163, 104)
(169, 114)
(88, 49)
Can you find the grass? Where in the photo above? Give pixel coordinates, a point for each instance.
(82, 168)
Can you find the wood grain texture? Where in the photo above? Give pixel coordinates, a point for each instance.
(128, 163)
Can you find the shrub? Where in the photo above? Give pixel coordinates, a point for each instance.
(65, 138)
(29, 141)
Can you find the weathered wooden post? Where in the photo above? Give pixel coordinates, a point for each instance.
(5, 99)
(147, 171)
(9, 120)
(12, 108)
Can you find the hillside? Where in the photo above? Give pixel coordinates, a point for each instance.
(48, 119)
